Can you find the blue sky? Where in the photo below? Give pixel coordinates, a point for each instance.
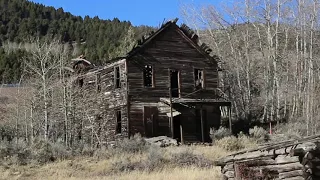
(139, 12)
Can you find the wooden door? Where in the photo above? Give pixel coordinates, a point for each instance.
(150, 120)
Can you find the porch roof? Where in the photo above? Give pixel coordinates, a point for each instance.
(220, 102)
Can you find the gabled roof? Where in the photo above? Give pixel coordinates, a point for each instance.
(192, 37)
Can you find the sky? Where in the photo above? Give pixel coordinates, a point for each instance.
(138, 12)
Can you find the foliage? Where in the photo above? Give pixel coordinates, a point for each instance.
(133, 145)
(94, 37)
(219, 134)
(230, 143)
(258, 133)
(186, 158)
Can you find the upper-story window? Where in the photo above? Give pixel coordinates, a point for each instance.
(80, 82)
(117, 79)
(199, 78)
(98, 82)
(148, 76)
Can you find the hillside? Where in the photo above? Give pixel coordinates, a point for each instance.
(22, 19)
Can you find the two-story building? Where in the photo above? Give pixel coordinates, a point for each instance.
(167, 85)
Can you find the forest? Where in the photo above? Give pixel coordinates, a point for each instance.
(22, 20)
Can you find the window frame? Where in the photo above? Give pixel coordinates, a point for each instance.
(117, 80)
(98, 82)
(152, 76)
(203, 84)
(118, 117)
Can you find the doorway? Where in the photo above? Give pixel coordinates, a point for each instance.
(175, 84)
(150, 121)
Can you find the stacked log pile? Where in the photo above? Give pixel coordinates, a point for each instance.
(290, 160)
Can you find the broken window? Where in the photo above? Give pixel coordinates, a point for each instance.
(98, 81)
(198, 78)
(118, 125)
(117, 77)
(148, 76)
(80, 82)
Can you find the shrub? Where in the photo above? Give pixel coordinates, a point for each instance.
(187, 158)
(230, 143)
(133, 145)
(258, 133)
(87, 151)
(155, 159)
(42, 151)
(293, 130)
(59, 151)
(219, 134)
(123, 165)
(102, 153)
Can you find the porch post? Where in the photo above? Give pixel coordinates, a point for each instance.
(170, 97)
(229, 117)
(181, 133)
(202, 128)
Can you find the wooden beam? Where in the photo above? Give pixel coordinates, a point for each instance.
(170, 97)
(202, 128)
(229, 117)
(181, 133)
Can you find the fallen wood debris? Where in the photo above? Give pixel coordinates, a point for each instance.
(289, 160)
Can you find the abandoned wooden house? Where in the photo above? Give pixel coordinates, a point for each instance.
(290, 160)
(166, 85)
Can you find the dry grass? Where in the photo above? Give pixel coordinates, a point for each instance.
(91, 168)
(184, 162)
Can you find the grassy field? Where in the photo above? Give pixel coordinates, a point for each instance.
(102, 168)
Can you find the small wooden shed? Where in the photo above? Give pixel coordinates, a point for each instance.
(290, 160)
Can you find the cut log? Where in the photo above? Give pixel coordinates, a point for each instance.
(229, 174)
(297, 152)
(295, 173)
(295, 178)
(283, 159)
(228, 167)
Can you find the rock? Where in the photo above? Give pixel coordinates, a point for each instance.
(162, 141)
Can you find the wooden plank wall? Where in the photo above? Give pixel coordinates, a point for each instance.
(103, 104)
(169, 50)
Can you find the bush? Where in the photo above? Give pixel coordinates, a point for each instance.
(133, 145)
(258, 133)
(230, 143)
(294, 130)
(187, 158)
(15, 153)
(222, 132)
(123, 165)
(102, 153)
(155, 159)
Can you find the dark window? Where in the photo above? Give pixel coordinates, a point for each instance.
(98, 81)
(198, 78)
(117, 77)
(148, 76)
(175, 86)
(80, 82)
(118, 125)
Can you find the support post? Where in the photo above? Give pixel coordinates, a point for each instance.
(202, 128)
(181, 133)
(229, 117)
(170, 97)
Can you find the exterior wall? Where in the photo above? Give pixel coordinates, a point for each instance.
(101, 104)
(169, 50)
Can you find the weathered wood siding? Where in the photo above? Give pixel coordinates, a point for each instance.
(171, 49)
(101, 104)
